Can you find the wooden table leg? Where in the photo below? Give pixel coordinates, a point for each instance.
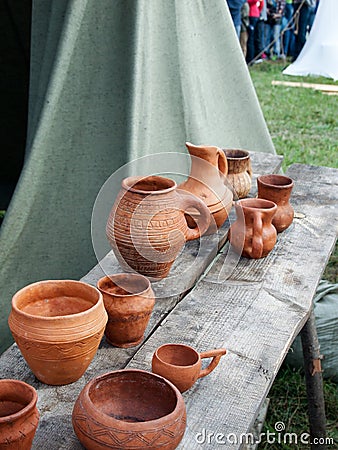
(314, 383)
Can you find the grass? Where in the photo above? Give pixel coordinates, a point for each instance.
(303, 124)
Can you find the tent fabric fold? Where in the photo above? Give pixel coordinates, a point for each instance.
(110, 82)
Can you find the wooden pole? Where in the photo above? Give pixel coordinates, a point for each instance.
(314, 384)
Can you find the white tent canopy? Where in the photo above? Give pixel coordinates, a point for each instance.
(319, 55)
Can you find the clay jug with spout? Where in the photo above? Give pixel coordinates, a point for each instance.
(252, 235)
(209, 168)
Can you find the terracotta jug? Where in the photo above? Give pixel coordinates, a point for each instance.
(239, 171)
(58, 326)
(129, 301)
(252, 234)
(277, 188)
(19, 416)
(182, 364)
(206, 180)
(146, 226)
(129, 409)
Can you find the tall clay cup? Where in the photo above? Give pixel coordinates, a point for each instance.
(252, 234)
(239, 171)
(19, 416)
(277, 188)
(58, 326)
(129, 301)
(147, 228)
(182, 365)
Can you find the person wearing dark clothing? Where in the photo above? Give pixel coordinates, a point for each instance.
(235, 7)
(304, 14)
(256, 7)
(275, 10)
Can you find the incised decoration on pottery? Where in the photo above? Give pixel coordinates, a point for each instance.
(19, 416)
(128, 409)
(182, 364)
(129, 301)
(147, 228)
(252, 234)
(58, 326)
(239, 171)
(277, 188)
(207, 181)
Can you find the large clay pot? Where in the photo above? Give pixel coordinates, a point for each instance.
(182, 364)
(252, 234)
(58, 326)
(19, 416)
(239, 171)
(129, 301)
(277, 188)
(147, 227)
(206, 181)
(129, 409)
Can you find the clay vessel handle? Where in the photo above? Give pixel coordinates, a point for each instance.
(257, 238)
(222, 163)
(216, 356)
(191, 201)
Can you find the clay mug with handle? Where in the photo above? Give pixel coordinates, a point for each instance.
(182, 364)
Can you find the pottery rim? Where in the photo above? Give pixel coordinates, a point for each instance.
(120, 275)
(255, 204)
(15, 299)
(186, 347)
(236, 154)
(133, 426)
(27, 408)
(276, 181)
(165, 184)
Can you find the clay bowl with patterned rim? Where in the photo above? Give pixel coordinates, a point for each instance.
(128, 409)
(58, 326)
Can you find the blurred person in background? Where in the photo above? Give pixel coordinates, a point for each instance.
(275, 11)
(303, 10)
(253, 50)
(243, 39)
(235, 11)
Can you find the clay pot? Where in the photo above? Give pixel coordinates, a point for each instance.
(277, 188)
(252, 234)
(239, 171)
(206, 181)
(146, 226)
(182, 365)
(129, 301)
(129, 409)
(58, 326)
(19, 416)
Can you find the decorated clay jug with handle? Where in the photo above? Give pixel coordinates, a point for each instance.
(182, 364)
(252, 235)
(147, 227)
(206, 181)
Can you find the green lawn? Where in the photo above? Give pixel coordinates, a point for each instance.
(304, 127)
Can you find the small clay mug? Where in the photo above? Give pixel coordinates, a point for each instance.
(19, 416)
(129, 301)
(182, 365)
(277, 188)
(239, 171)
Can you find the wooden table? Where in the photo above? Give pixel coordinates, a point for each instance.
(256, 313)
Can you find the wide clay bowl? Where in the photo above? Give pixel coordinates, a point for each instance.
(19, 416)
(58, 326)
(129, 409)
(129, 301)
